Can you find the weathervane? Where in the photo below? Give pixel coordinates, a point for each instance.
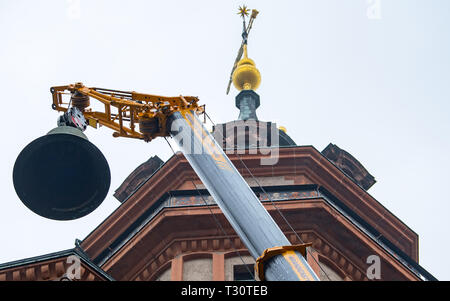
(244, 13)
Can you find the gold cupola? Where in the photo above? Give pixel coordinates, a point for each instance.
(246, 76)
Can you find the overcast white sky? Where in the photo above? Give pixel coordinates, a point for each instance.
(374, 82)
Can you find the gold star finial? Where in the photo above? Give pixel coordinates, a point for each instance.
(243, 11)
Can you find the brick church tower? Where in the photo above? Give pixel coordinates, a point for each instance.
(169, 228)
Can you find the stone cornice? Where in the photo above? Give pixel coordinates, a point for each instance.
(293, 161)
(159, 243)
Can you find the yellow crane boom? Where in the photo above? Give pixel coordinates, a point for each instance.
(123, 110)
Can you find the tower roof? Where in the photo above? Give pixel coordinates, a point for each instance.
(167, 209)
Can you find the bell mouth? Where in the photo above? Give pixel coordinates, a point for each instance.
(61, 176)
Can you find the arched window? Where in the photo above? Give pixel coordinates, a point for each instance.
(197, 267)
(239, 268)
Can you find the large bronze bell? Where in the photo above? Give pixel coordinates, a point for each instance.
(61, 175)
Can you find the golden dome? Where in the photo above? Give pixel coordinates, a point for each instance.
(246, 76)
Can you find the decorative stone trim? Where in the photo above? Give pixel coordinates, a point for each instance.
(209, 246)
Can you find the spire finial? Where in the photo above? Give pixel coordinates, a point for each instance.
(245, 75)
(252, 80)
